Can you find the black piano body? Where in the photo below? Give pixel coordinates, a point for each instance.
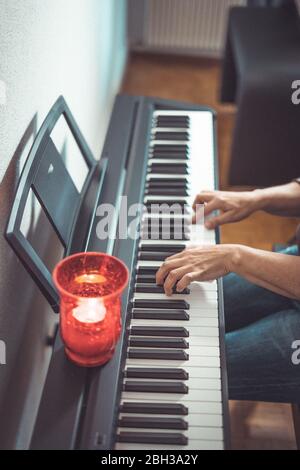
(79, 407)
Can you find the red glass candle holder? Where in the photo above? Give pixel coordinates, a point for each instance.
(90, 286)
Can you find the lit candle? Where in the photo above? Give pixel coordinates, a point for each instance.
(90, 310)
(90, 286)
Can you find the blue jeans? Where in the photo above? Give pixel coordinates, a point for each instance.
(260, 329)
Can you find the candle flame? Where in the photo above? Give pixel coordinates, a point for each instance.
(90, 310)
(90, 278)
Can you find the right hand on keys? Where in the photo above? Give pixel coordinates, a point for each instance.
(231, 206)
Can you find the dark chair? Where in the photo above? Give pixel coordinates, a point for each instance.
(262, 59)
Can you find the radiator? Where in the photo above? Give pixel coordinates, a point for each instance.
(194, 27)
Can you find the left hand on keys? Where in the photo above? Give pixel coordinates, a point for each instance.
(204, 263)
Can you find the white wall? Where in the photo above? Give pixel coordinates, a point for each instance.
(52, 47)
(76, 48)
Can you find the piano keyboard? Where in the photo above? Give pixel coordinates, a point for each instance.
(172, 388)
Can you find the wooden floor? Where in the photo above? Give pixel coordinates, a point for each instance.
(254, 425)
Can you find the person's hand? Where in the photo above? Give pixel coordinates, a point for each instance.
(205, 263)
(232, 206)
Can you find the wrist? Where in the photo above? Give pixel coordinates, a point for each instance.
(235, 258)
(260, 199)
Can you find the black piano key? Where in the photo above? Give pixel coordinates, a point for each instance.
(170, 148)
(159, 183)
(160, 314)
(154, 408)
(175, 343)
(161, 304)
(155, 289)
(156, 373)
(162, 354)
(158, 186)
(167, 192)
(173, 331)
(147, 270)
(146, 279)
(172, 169)
(167, 179)
(155, 387)
(159, 202)
(160, 208)
(158, 211)
(151, 256)
(176, 248)
(168, 165)
(171, 156)
(172, 119)
(163, 438)
(165, 135)
(150, 280)
(152, 423)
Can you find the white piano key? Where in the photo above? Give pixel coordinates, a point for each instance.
(206, 298)
(193, 321)
(194, 408)
(192, 445)
(200, 323)
(205, 420)
(157, 264)
(164, 176)
(204, 304)
(193, 395)
(193, 361)
(211, 351)
(168, 161)
(170, 129)
(203, 372)
(205, 341)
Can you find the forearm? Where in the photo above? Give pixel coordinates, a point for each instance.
(277, 272)
(279, 200)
